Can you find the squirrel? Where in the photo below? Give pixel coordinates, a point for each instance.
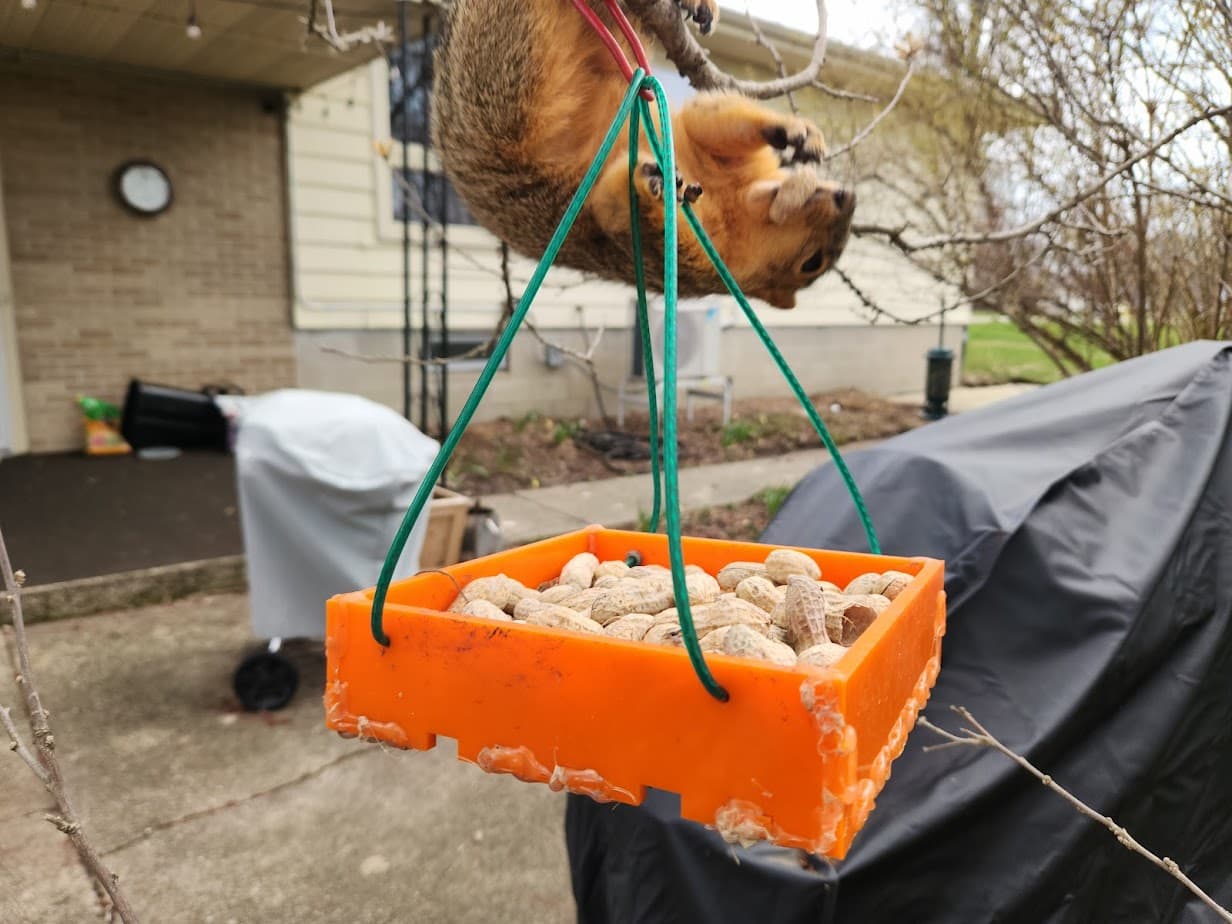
(524, 92)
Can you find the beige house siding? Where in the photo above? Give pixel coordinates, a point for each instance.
(194, 296)
(348, 283)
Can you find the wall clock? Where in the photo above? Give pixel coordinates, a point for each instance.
(143, 187)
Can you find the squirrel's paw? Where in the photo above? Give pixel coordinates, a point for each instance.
(703, 12)
(651, 180)
(799, 140)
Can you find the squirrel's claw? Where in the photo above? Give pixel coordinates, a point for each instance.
(685, 192)
(799, 140)
(703, 12)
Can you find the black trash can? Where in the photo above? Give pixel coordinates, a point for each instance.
(163, 415)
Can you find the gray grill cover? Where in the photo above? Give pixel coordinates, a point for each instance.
(324, 481)
(1087, 530)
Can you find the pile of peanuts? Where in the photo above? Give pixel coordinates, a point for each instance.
(777, 610)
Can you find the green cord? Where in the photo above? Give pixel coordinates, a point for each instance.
(643, 319)
(637, 111)
(494, 361)
(667, 164)
(798, 389)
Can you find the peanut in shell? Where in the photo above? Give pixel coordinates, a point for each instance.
(781, 564)
(805, 608)
(632, 627)
(580, 569)
(730, 575)
(744, 642)
(761, 592)
(827, 654)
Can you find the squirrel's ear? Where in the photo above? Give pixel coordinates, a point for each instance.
(763, 192)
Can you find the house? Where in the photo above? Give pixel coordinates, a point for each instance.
(347, 260)
(92, 290)
(191, 194)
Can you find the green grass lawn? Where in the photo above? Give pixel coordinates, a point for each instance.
(997, 352)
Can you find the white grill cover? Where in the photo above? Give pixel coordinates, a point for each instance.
(324, 480)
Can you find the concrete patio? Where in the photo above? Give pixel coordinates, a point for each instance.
(209, 814)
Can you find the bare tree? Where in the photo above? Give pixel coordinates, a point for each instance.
(1089, 152)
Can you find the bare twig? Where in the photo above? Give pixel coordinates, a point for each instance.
(779, 66)
(413, 201)
(585, 360)
(844, 94)
(51, 777)
(663, 18)
(876, 120)
(877, 312)
(980, 737)
(895, 235)
(19, 747)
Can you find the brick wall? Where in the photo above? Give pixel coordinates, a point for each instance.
(194, 296)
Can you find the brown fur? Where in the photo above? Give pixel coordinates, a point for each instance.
(524, 95)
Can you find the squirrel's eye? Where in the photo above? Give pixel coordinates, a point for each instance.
(812, 264)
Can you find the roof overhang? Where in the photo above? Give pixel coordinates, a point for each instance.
(262, 43)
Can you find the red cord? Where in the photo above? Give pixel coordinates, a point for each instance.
(609, 40)
(639, 52)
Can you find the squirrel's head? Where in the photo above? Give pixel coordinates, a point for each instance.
(803, 222)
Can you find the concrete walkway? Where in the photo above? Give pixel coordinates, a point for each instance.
(529, 515)
(970, 398)
(617, 502)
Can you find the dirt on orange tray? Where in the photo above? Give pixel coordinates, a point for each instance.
(533, 451)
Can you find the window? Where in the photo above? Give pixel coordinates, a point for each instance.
(463, 342)
(415, 79)
(412, 80)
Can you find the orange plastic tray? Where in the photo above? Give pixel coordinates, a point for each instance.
(796, 756)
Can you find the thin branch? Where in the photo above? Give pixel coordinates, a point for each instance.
(663, 18)
(779, 66)
(980, 737)
(868, 129)
(18, 746)
(413, 200)
(1003, 281)
(895, 235)
(844, 94)
(44, 745)
(878, 312)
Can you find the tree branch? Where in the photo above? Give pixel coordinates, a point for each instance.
(19, 748)
(44, 745)
(878, 312)
(895, 235)
(868, 129)
(663, 18)
(980, 737)
(779, 66)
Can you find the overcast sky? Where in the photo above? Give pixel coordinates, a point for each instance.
(861, 23)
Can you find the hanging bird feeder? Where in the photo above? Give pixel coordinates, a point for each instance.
(793, 754)
(796, 755)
